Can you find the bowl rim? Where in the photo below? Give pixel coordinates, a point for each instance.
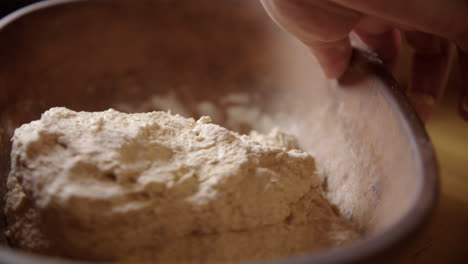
(357, 251)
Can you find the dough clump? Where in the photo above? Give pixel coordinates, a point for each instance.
(155, 187)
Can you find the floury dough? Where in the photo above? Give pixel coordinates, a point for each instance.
(156, 187)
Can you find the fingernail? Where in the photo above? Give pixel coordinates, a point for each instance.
(423, 104)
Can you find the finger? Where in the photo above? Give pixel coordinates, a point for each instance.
(430, 70)
(382, 38)
(333, 56)
(442, 18)
(463, 103)
(321, 25)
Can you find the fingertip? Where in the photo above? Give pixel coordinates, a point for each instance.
(334, 58)
(333, 73)
(337, 69)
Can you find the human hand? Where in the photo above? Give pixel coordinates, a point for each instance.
(431, 27)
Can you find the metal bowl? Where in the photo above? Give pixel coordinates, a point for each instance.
(373, 154)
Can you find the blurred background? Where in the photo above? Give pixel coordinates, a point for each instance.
(7, 6)
(445, 238)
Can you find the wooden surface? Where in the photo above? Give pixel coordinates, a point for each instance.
(445, 239)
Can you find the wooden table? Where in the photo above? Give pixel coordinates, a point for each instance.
(445, 239)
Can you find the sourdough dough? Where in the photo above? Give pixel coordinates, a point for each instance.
(156, 187)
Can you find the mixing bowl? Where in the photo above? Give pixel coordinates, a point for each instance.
(373, 154)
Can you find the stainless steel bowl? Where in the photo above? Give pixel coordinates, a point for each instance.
(371, 149)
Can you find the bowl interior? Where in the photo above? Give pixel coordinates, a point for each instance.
(196, 56)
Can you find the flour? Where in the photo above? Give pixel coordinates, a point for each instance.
(156, 187)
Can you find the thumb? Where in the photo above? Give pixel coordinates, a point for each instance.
(322, 26)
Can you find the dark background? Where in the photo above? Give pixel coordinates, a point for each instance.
(8, 6)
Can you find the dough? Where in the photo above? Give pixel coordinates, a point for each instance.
(156, 187)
